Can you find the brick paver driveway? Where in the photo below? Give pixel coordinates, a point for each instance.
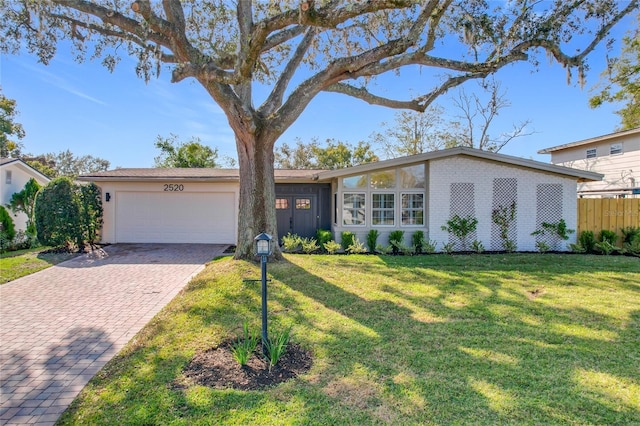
(59, 326)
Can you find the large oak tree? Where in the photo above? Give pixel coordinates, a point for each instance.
(300, 48)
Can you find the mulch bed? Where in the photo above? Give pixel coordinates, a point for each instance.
(218, 369)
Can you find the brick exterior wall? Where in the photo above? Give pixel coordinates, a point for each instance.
(481, 174)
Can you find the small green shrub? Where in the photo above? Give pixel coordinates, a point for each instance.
(244, 347)
(629, 234)
(403, 248)
(332, 247)
(383, 249)
(633, 247)
(356, 248)
(372, 240)
(309, 245)
(276, 346)
(323, 236)
(542, 247)
(606, 247)
(503, 217)
(609, 236)
(417, 239)
(553, 232)
(429, 246)
(291, 242)
(477, 246)
(346, 239)
(448, 247)
(587, 241)
(5, 242)
(396, 238)
(6, 224)
(461, 228)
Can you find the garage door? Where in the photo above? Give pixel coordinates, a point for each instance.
(175, 217)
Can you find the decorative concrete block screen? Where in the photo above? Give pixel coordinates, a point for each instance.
(548, 209)
(505, 194)
(462, 204)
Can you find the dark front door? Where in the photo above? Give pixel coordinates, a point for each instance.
(297, 214)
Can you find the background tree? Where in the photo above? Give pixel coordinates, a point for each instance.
(333, 154)
(413, 133)
(622, 81)
(184, 154)
(65, 163)
(477, 117)
(300, 48)
(9, 129)
(24, 201)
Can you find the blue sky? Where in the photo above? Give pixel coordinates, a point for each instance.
(117, 116)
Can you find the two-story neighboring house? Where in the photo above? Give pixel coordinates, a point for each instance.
(616, 156)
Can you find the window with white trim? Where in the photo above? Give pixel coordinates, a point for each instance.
(353, 208)
(616, 148)
(591, 153)
(412, 209)
(383, 209)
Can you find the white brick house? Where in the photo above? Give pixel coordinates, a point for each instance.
(458, 181)
(419, 192)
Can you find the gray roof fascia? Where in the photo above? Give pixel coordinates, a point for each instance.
(597, 139)
(471, 152)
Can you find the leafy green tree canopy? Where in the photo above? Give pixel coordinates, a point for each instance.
(622, 81)
(333, 154)
(297, 49)
(184, 154)
(9, 129)
(24, 201)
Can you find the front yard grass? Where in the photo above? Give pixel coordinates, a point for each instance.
(19, 263)
(480, 339)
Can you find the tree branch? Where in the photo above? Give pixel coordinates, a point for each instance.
(363, 94)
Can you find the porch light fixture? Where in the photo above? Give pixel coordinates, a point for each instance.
(263, 244)
(107, 197)
(264, 249)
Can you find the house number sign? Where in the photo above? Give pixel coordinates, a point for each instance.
(173, 187)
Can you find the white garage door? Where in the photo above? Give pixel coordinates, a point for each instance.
(175, 217)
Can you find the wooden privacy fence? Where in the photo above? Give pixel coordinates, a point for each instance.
(596, 214)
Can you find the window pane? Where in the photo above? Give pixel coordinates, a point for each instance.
(412, 176)
(616, 148)
(383, 180)
(282, 203)
(303, 204)
(355, 182)
(413, 209)
(353, 209)
(383, 209)
(591, 153)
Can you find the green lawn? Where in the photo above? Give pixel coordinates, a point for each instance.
(17, 264)
(484, 339)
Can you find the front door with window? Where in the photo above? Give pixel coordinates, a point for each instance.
(297, 214)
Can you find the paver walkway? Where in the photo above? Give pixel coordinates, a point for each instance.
(60, 326)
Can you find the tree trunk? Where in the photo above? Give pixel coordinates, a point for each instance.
(257, 195)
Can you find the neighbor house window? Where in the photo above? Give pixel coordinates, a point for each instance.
(591, 153)
(382, 209)
(8, 177)
(353, 209)
(282, 203)
(616, 148)
(413, 209)
(303, 204)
